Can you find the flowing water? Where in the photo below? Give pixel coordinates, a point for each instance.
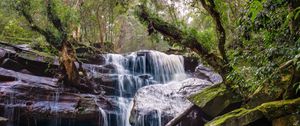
(136, 70)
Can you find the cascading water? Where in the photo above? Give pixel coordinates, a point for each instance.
(136, 70)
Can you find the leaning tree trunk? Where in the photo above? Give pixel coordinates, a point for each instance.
(75, 75)
(210, 7)
(67, 61)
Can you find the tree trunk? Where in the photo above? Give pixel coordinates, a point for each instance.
(211, 9)
(100, 24)
(67, 60)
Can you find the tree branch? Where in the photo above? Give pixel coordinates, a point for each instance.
(182, 38)
(210, 8)
(53, 17)
(23, 8)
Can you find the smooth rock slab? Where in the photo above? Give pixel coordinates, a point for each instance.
(162, 102)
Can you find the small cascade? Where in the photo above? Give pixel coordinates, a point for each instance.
(10, 112)
(136, 70)
(55, 107)
(102, 120)
(152, 119)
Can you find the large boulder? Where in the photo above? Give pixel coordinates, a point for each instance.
(162, 102)
(270, 110)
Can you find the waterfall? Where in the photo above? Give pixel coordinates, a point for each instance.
(120, 76)
(136, 70)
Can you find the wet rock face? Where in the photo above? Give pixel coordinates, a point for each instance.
(26, 99)
(164, 101)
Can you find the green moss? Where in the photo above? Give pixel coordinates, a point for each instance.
(276, 108)
(202, 98)
(269, 110)
(215, 100)
(47, 58)
(234, 114)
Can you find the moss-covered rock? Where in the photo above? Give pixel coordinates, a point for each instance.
(214, 100)
(270, 110)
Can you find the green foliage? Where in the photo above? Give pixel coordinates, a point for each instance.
(256, 7)
(293, 15)
(265, 43)
(296, 12)
(12, 27)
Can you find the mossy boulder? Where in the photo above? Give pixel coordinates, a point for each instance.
(270, 110)
(216, 100)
